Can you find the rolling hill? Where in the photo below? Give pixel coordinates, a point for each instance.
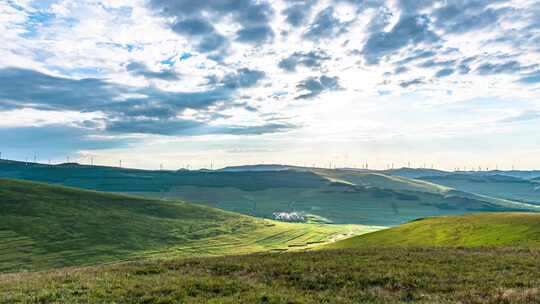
(495, 185)
(507, 229)
(43, 226)
(321, 195)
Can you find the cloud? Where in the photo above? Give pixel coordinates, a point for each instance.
(499, 68)
(464, 16)
(317, 85)
(243, 78)
(126, 109)
(140, 69)
(28, 88)
(298, 13)
(312, 59)
(413, 82)
(409, 30)
(325, 25)
(200, 20)
(531, 78)
(193, 128)
(444, 73)
(522, 117)
(255, 34)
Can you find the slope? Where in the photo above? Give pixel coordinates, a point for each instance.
(43, 226)
(475, 230)
(495, 185)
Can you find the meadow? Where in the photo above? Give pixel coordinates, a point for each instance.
(361, 275)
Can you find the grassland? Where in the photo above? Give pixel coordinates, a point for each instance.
(473, 230)
(363, 275)
(43, 226)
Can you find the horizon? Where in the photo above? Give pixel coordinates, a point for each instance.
(453, 84)
(211, 167)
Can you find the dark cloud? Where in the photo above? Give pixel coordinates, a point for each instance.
(126, 109)
(325, 25)
(400, 70)
(193, 128)
(413, 82)
(243, 78)
(413, 6)
(467, 15)
(409, 30)
(255, 34)
(197, 19)
(140, 69)
(312, 59)
(499, 68)
(380, 20)
(318, 85)
(436, 63)
(297, 12)
(444, 72)
(417, 55)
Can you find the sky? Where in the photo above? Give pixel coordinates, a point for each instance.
(449, 84)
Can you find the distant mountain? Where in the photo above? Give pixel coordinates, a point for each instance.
(320, 195)
(414, 172)
(495, 185)
(269, 167)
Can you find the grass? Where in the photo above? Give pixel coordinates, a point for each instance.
(475, 230)
(43, 226)
(364, 275)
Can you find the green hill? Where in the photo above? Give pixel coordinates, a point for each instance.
(475, 230)
(43, 226)
(341, 196)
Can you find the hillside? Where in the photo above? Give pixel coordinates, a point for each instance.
(495, 185)
(474, 230)
(363, 275)
(43, 226)
(322, 195)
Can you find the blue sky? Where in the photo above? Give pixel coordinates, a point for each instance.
(449, 83)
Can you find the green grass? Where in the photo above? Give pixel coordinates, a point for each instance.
(475, 230)
(364, 275)
(43, 226)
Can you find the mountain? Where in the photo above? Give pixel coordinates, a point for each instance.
(495, 185)
(43, 226)
(341, 196)
(507, 229)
